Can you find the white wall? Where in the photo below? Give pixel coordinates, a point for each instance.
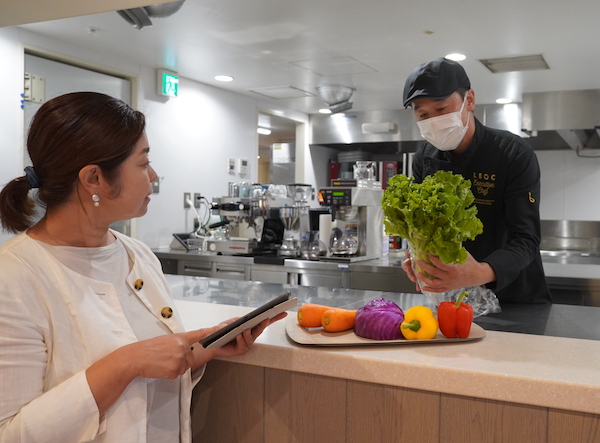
(191, 136)
(569, 186)
(11, 114)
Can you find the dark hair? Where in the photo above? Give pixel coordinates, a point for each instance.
(66, 134)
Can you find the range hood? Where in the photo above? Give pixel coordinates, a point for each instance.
(557, 120)
(573, 115)
(396, 131)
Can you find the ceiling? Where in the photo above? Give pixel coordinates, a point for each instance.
(371, 46)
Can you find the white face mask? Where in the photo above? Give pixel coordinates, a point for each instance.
(445, 132)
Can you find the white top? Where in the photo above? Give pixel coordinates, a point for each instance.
(111, 264)
(57, 323)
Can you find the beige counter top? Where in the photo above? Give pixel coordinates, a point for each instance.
(537, 370)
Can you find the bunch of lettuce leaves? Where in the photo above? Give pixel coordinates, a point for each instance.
(435, 216)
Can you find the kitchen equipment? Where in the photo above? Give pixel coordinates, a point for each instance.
(290, 216)
(357, 213)
(233, 190)
(244, 190)
(364, 170)
(312, 248)
(232, 246)
(344, 245)
(290, 247)
(325, 227)
(299, 192)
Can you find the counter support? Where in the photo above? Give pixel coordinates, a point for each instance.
(251, 404)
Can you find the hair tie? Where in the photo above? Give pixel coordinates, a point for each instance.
(32, 178)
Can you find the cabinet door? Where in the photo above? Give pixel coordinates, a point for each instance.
(322, 280)
(268, 276)
(196, 268)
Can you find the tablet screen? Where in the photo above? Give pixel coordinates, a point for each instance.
(269, 310)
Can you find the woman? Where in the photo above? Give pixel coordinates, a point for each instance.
(90, 348)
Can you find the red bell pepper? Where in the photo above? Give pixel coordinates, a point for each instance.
(455, 318)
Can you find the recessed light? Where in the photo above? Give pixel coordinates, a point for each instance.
(263, 131)
(503, 101)
(456, 57)
(325, 111)
(223, 78)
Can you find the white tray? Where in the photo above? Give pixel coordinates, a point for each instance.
(320, 337)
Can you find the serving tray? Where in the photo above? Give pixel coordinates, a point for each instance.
(320, 337)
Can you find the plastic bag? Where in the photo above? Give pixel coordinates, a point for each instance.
(482, 299)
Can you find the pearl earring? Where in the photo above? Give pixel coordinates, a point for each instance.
(96, 199)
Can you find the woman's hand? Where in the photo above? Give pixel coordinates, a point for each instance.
(448, 277)
(165, 356)
(239, 346)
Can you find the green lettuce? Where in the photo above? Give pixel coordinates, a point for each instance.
(435, 216)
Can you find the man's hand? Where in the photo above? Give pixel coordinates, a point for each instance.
(448, 277)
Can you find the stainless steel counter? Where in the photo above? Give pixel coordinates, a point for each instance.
(553, 319)
(383, 274)
(573, 279)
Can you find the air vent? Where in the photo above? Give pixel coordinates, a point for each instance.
(282, 92)
(511, 64)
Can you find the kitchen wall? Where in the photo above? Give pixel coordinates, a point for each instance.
(569, 185)
(191, 136)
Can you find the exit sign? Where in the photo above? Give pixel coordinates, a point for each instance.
(168, 83)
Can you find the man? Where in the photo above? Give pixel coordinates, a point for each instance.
(505, 180)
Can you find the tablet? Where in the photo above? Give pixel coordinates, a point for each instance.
(268, 310)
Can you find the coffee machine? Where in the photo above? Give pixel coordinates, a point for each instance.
(294, 213)
(358, 221)
(242, 223)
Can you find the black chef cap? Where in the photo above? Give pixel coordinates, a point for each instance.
(438, 78)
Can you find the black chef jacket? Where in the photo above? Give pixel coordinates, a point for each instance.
(505, 180)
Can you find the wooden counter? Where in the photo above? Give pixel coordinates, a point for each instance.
(506, 387)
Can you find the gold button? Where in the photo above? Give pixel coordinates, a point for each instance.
(166, 312)
(138, 284)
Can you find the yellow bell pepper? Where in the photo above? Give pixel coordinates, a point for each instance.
(419, 324)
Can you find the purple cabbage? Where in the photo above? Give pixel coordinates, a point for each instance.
(379, 320)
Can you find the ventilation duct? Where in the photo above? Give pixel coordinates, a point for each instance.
(140, 18)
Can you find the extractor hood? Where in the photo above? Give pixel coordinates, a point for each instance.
(574, 115)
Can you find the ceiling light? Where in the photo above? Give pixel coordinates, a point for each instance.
(264, 131)
(456, 57)
(223, 78)
(325, 111)
(503, 101)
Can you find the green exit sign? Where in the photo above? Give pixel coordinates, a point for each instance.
(168, 83)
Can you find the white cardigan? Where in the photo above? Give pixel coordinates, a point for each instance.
(54, 323)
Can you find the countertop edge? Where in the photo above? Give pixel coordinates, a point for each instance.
(420, 367)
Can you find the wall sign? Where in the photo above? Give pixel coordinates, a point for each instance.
(167, 82)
